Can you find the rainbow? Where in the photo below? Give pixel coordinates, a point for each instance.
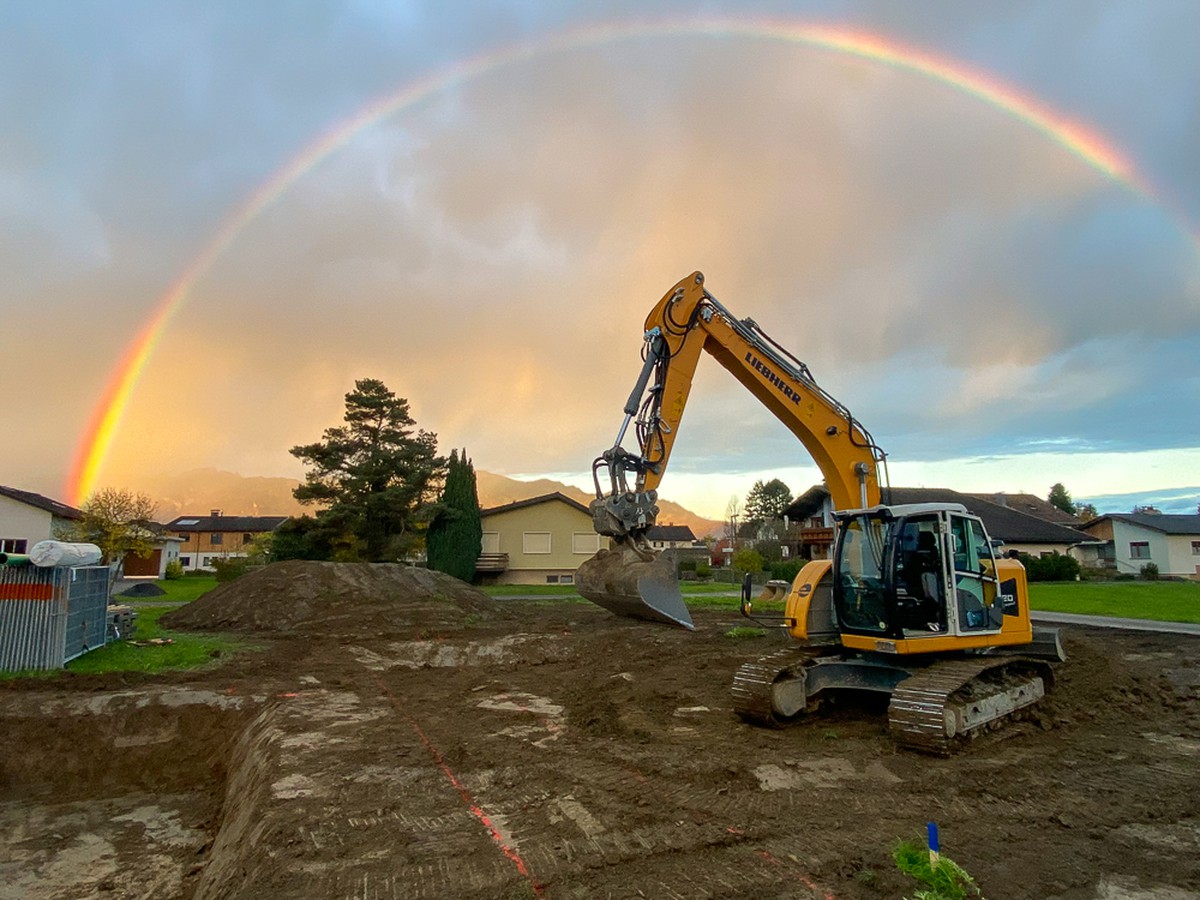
(105, 421)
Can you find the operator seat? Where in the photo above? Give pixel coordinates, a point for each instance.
(928, 567)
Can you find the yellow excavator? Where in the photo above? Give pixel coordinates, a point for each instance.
(914, 603)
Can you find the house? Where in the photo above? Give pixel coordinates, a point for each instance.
(810, 521)
(166, 550)
(26, 518)
(1131, 540)
(217, 536)
(671, 537)
(541, 540)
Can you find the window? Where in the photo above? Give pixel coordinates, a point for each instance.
(13, 545)
(567, 579)
(1139, 549)
(247, 538)
(491, 542)
(216, 538)
(1195, 548)
(535, 542)
(551, 579)
(585, 542)
(185, 561)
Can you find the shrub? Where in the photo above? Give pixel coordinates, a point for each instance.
(1149, 571)
(173, 570)
(787, 570)
(703, 569)
(687, 565)
(748, 561)
(229, 569)
(1054, 567)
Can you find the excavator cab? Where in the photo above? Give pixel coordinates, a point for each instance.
(907, 572)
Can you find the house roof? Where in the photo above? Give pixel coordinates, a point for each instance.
(1032, 505)
(670, 533)
(534, 501)
(44, 503)
(249, 524)
(1164, 522)
(1002, 522)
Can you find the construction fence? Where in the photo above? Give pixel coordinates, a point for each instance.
(49, 616)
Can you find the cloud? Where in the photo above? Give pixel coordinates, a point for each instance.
(964, 284)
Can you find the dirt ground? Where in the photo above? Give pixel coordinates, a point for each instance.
(554, 750)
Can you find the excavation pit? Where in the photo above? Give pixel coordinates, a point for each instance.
(116, 794)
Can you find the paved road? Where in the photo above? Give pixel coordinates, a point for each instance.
(1057, 618)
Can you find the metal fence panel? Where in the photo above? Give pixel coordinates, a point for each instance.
(33, 619)
(86, 591)
(51, 616)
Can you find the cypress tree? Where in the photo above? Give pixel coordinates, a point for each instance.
(455, 536)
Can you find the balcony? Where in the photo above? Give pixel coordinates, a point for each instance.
(491, 563)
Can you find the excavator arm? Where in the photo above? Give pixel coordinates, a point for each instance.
(688, 320)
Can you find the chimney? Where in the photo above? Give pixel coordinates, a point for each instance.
(216, 514)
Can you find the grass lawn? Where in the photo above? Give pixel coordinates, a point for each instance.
(1164, 601)
(187, 650)
(186, 589)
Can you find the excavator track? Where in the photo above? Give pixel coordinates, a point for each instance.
(947, 704)
(754, 684)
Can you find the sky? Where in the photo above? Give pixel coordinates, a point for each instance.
(216, 216)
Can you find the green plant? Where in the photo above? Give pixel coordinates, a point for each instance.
(744, 631)
(1149, 571)
(455, 536)
(1055, 567)
(746, 560)
(229, 569)
(945, 880)
(173, 571)
(787, 569)
(703, 569)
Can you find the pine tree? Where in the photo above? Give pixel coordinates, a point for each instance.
(1059, 496)
(376, 479)
(455, 536)
(765, 505)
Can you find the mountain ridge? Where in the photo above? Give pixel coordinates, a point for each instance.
(200, 491)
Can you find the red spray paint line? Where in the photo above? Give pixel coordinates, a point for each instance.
(475, 809)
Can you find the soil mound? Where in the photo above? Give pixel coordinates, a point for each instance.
(307, 597)
(143, 589)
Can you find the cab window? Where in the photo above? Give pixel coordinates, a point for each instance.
(975, 587)
(860, 575)
(920, 576)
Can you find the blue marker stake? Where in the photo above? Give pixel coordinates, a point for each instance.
(934, 849)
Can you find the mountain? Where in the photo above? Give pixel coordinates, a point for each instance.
(1178, 501)
(496, 490)
(199, 491)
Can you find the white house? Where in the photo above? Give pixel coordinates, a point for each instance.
(26, 518)
(1171, 542)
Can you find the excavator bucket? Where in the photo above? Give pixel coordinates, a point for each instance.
(634, 583)
(775, 590)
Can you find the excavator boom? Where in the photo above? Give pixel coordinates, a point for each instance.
(630, 579)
